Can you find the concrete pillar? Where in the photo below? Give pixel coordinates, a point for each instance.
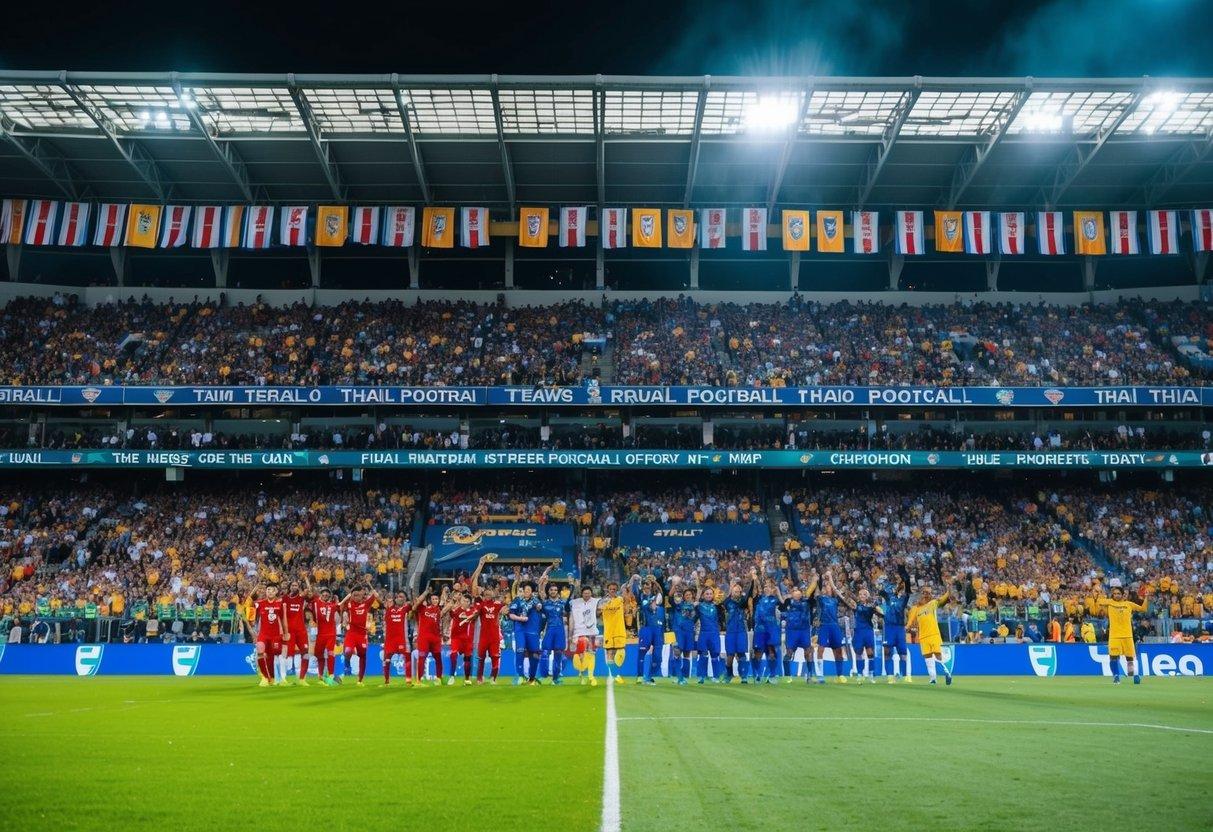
(992, 274)
(599, 266)
(220, 257)
(709, 431)
(1088, 274)
(509, 264)
(414, 268)
(794, 272)
(694, 284)
(118, 259)
(896, 263)
(14, 261)
(313, 264)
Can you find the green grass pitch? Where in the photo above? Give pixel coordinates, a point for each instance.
(990, 753)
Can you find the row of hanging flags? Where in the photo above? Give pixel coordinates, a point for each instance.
(48, 222)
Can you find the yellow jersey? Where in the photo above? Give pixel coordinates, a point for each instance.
(924, 616)
(612, 615)
(1120, 616)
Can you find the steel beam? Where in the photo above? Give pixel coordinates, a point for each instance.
(418, 164)
(785, 156)
(1076, 160)
(134, 155)
(223, 150)
(600, 147)
(43, 156)
(507, 169)
(976, 157)
(1181, 163)
(887, 141)
(693, 158)
(323, 152)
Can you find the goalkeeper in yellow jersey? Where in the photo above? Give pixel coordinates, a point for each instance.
(923, 619)
(1120, 632)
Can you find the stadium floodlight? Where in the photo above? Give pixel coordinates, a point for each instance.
(1164, 101)
(1044, 121)
(770, 113)
(187, 101)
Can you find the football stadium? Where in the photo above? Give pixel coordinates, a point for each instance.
(620, 452)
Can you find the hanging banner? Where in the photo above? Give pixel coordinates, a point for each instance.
(977, 232)
(533, 227)
(142, 223)
(364, 226)
(40, 222)
(1012, 228)
(208, 227)
(646, 227)
(712, 227)
(1089, 237)
(332, 225)
(830, 232)
(613, 228)
(865, 228)
(292, 225)
(753, 229)
(1202, 229)
(233, 226)
(73, 230)
(1050, 233)
(680, 228)
(1124, 232)
(258, 221)
(175, 231)
(907, 236)
(438, 227)
(795, 230)
(572, 226)
(473, 227)
(399, 222)
(1164, 232)
(12, 214)
(948, 237)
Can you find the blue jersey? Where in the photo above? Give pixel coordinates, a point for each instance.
(532, 609)
(766, 609)
(709, 617)
(863, 616)
(827, 610)
(797, 614)
(650, 616)
(683, 614)
(894, 608)
(554, 610)
(735, 613)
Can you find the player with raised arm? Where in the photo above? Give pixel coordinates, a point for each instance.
(583, 633)
(396, 637)
(488, 643)
(555, 639)
(896, 598)
(863, 640)
(270, 616)
(684, 613)
(428, 608)
(294, 605)
(924, 619)
(1120, 632)
(526, 611)
(463, 626)
(324, 612)
(798, 618)
(357, 607)
(651, 634)
(736, 631)
(829, 633)
(707, 643)
(767, 630)
(614, 632)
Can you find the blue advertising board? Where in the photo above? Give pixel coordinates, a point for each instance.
(461, 546)
(1043, 660)
(610, 396)
(671, 537)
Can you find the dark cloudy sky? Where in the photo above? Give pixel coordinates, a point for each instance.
(962, 37)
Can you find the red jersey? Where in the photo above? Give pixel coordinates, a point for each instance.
(294, 606)
(325, 613)
(429, 620)
(269, 619)
(463, 622)
(358, 612)
(394, 623)
(490, 617)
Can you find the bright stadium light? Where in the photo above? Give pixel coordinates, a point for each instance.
(1044, 121)
(770, 113)
(1164, 101)
(187, 101)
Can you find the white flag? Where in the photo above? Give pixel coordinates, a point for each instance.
(1011, 232)
(977, 232)
(364, 225)
(711, 227)
(753, 229)
(258, 220)
(865, 232)
(572, 226)
(1050, 233)
(907, 236)
(1164, 232)
(174, 228)
(474, 227)
(40, 222)
(1123, 227)
(399, 223)
(292, 226)
(614, 227)
(111, 224)
(73, 228)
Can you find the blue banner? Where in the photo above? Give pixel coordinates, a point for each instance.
(614, 396)
(670, 537)
(461, 546)
(1043, 660)
(610, 459)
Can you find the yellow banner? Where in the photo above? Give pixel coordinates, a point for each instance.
(533, 227)
(16, 220)
(646, 227)
(680, 228)
(831, 236)
(949, 231)
(438, 228)
(332, 225)
(142, 223)
(1089, 235)
(795, 230)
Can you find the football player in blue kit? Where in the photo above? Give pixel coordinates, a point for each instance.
(829, 633)
(895, 598)
(555, 629)
(526, 611)
(684, 613)
(651, 635)
(797, 618)
(766, 630)
(707, 643)
(863, 640)
(736, 633)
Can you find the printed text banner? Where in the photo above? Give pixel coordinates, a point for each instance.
(613, 396)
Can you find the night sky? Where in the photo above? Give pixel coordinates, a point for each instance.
(841, 37)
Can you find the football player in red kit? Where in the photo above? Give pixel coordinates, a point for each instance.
(395, 637)
(488, 645)
(271, 632)
(429, 611)
(295, 605)
(357, 608)
(463, 624)
(324, 611)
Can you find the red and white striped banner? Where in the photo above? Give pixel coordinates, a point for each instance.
(258, 222)
(40, 222)
(399, 222)
(1012, 231)
(865, 232)
(73, 227)
(474, 227)
(712, 227)
(572, 226)
(1164, 231)
(978, 236)
(208, 227)
(174, 228)
(364, 225)
(1123, 225)
(111, 224)
(753, 229)
(613, 227)
(1202, 229)
(908, 233)
(1050, 233)
(292, 225)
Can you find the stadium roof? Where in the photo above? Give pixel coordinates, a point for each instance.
(665, 141)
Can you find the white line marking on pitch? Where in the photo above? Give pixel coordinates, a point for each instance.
(610, 764)
(1072, 723)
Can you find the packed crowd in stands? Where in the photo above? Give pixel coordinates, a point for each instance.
(188, 549)
(508, 505)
